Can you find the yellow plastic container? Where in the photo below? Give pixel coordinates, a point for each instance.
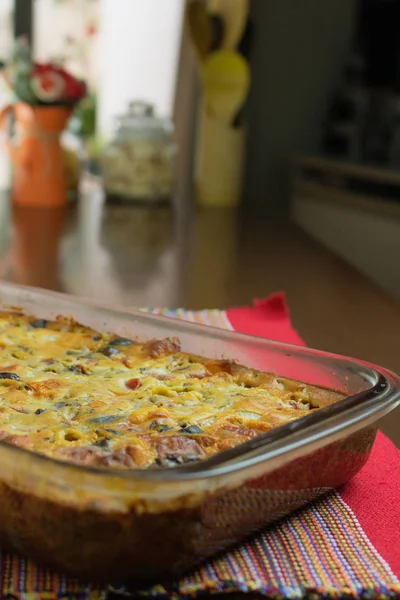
(219, 162)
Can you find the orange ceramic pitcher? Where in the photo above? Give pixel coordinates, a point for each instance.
(36, 153)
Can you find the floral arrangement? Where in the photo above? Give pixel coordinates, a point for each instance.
(41, 83)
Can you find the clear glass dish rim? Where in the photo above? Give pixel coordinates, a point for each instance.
(381, 398)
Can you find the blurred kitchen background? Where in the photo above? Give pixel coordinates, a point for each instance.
(321, 120)
(223, 150)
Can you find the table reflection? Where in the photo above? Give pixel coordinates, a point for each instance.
(30, 247)
(121, 254)
(118, 254)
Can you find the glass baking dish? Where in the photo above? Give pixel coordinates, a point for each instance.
(139, 526)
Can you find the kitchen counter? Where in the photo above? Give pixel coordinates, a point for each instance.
(210, 258)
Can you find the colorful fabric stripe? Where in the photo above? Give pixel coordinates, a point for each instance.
(213, 318)
(318, 553)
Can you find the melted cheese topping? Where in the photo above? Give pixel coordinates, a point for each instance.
(69, 392)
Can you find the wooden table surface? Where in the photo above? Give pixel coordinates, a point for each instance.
(206, 259)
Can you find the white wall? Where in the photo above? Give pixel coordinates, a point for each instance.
(54, 22)
(138, 55)
(6, 27)
(6, 36)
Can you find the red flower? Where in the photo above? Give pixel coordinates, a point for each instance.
(52, 83)
(47, 84)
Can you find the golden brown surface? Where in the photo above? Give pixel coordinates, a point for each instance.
(211, 258)
(74, 394)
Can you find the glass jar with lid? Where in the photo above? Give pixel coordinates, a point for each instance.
(139, 163)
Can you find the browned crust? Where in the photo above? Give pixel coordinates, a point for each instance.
(164, 447)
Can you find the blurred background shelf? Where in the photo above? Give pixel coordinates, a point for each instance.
(354, 210)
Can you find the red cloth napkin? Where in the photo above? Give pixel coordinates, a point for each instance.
(374, 494)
